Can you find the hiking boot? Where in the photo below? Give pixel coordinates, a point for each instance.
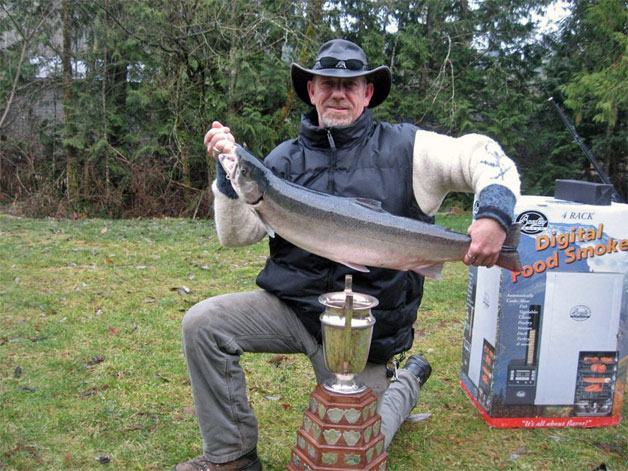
(248, 462)
(419, 367)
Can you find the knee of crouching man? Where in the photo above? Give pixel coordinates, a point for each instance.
(197, 318)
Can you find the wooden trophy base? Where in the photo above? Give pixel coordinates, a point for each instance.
(339, 433)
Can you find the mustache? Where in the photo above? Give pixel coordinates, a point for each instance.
(338, 103)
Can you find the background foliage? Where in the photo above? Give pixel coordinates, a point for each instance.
(104, 103)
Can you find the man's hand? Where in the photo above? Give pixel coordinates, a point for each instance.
(219, 140)
(487, 238)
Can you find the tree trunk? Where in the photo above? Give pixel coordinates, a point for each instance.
(429, 33)
(70, 150)
(105, 130)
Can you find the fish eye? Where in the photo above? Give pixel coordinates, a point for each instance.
(244, 170)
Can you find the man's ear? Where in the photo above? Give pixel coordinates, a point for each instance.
(310, 90)
(370, 89)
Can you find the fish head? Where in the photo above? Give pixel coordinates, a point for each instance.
(248, 176)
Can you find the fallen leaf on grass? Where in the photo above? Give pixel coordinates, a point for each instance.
(609, 447)
(95, 360)
(113, 331)
(189, 411)
(517, 454)
(277, 359)
(286, 406)
(103, 459)
(272, 398)
(145, 427)
(31, 449)
(183, 290)
(158, 376)
(94, 390)
(418, 417)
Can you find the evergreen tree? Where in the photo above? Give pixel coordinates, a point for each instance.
(144, 81)
(588, 73)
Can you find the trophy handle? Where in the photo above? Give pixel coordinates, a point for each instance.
(348, 312)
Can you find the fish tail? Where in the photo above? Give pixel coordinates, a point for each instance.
(509, 256)
(513, 236)
(509, 259)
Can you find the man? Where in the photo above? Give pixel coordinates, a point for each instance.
(340, 150)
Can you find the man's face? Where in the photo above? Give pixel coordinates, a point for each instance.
(339, 101)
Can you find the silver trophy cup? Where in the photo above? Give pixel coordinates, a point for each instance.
(347, 326)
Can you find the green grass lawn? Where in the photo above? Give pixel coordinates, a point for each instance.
(92, 375)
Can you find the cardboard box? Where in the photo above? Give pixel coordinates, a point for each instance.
(548, 346)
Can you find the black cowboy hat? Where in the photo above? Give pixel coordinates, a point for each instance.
(342, 58)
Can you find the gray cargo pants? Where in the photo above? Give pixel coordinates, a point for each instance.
(218, 330)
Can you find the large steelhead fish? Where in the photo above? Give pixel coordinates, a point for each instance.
(356, 232)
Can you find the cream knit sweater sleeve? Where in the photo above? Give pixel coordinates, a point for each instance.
(236, 223)
(469, 164)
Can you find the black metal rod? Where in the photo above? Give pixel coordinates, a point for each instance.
(585, 149)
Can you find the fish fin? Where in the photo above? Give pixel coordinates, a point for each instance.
(269, 229)
(369, 204)
(433, 270)
(356, 267)
(509, 256)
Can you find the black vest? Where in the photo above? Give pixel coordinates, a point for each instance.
(366, 160)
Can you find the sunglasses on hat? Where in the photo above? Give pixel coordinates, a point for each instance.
(334, 63)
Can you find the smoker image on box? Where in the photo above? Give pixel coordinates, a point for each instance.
(485, 388)
(468, 329)
(522, 374)
(595, 386)
(481, 332)
(577, 357)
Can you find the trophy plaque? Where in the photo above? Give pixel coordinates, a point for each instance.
(341, 428)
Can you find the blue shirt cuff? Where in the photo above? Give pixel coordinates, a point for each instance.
(498, 203)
